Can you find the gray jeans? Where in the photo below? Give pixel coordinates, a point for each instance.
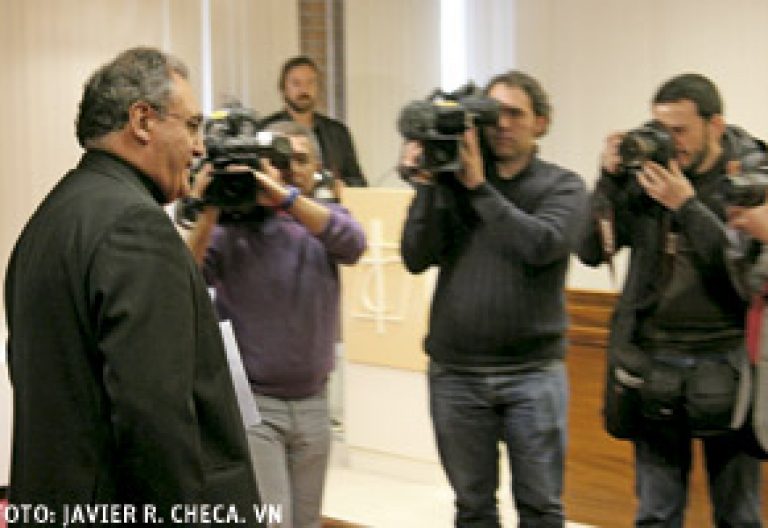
(290, 449)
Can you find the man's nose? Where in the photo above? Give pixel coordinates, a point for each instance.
(198, 147)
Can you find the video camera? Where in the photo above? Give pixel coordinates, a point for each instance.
(440, 120)
(649, 142)
(231, 138)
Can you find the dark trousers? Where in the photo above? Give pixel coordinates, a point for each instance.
(472, 413)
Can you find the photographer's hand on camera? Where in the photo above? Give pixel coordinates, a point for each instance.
(752, 220)
(610, 160)
(410, 164)
(274, 193)
(669, 186)
(472, 174)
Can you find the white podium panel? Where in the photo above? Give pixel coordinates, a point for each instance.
(385, 308)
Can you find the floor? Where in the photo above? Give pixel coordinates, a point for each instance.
(369, 498)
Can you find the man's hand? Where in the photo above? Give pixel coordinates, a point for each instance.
(472, 173)
(752, 220)
(669, 187)
(272, 191)
(410, 159)
(610, 160)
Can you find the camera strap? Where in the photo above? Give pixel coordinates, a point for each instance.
(754, 324)
(605, 225)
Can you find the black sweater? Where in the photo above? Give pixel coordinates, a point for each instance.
(502, 250)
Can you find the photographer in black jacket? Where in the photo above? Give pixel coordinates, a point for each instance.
(676, 356)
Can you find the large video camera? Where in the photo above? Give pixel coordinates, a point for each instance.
(649, 142)
(231, 138)
(440, 120)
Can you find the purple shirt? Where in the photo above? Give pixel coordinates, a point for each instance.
(279, 285)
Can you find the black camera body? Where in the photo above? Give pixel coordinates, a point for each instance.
(232, 138)
(746, 189)
(649, 142)
(441, 119)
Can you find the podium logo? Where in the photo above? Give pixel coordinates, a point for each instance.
(383, 290)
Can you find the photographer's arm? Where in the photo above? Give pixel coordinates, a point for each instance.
(607, 221)
(422, 241)
(311, 214)
(704, 229)
(200, 236)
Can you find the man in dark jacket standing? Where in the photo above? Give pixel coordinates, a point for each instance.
(122, 394)
(298, 84)
(676, 344)
(501, 231)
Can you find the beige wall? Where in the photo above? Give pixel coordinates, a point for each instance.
(392, 51)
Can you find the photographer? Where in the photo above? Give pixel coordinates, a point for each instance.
(676, 344)
(500, 230)
(276, 278)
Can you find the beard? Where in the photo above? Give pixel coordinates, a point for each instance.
(302, 103)
(699, 157)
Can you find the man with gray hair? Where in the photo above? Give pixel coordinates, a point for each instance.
(275, 272)
(122, 394)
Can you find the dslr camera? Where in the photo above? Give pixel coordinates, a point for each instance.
(649, 142)
(747, 189)
(441, 119)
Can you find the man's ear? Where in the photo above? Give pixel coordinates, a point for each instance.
(141, 121)
(541, 125)
(717, 124)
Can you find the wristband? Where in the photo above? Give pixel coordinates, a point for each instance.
(293, 193)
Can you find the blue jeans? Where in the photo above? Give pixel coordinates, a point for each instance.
(663, 464)
(472, 412)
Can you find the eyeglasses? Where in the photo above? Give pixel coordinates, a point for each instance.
(193, 123)
(300, 157)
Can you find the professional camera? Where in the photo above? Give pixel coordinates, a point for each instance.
(440, 120)
(231, 138)
(650, 142)
(747, 189)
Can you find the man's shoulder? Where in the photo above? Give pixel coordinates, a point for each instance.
(556, 173)
(330, 122)
(280, 115)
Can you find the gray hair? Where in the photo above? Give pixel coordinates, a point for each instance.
(294, 129)
(137, 74)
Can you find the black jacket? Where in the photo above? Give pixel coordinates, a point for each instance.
(641, 224)
(335, 144)
(122, 391)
